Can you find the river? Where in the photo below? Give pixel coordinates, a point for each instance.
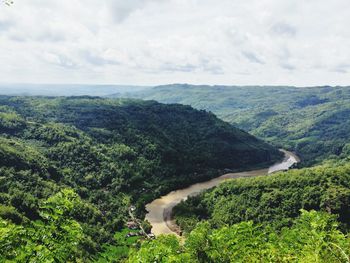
(159, 210)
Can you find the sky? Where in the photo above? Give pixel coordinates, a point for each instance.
(152, 42)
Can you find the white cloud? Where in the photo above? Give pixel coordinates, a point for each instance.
(165, 41)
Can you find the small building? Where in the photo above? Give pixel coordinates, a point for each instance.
(132, 225)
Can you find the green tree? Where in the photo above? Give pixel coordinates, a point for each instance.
(313, 237)
(54, 238)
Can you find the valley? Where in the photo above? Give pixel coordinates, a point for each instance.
(118, 180)
(103, 155)
(159, 211)
(174, 131)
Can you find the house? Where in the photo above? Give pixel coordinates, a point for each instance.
(132, 225)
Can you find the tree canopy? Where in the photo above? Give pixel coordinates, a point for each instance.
(312, 121)
(112, 153)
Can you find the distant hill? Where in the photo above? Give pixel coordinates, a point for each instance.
(312, 121)
(66, 89)
(113, 153)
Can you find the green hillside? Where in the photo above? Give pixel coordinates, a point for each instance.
(112, 153)
(313, 237)
(273, 200)
(266, 219)
(314, 122)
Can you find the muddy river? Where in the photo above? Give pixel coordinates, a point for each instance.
(159, 210)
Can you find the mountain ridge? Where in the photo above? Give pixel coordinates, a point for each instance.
(288, 117)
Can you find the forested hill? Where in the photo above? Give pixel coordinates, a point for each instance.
(313, 121)
(274, 200)
(265, 219)
(112, 153)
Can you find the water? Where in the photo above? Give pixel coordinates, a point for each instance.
(289, 160)
(159, 210)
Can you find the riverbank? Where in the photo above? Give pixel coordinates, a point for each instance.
(159, 210)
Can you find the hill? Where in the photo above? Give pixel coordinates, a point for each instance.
(66, 89)
(310, 121)
(274, 200)
(112, 153)
(313, 237)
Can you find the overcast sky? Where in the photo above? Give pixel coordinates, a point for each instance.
(149, 42)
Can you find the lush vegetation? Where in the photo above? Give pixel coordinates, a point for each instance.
(313, 237)
(259, 220)
(53, 238)
(70, 168)
(112, 153)
(273, 200)
(313, 122)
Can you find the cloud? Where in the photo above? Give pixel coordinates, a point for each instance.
(98, 59)
(182, 68)
(342, 68)
(121, 9)
(252, 57)
(287, 66)
(5, 25)
(283, 29)
(165, 41)
(59, 60)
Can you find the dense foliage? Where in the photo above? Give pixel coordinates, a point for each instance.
(314, 237)
(53, 238)
(272, 200)
(71, 167)
(113, 153)
(313, 122)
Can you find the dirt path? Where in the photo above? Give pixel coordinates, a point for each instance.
(159, 210)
